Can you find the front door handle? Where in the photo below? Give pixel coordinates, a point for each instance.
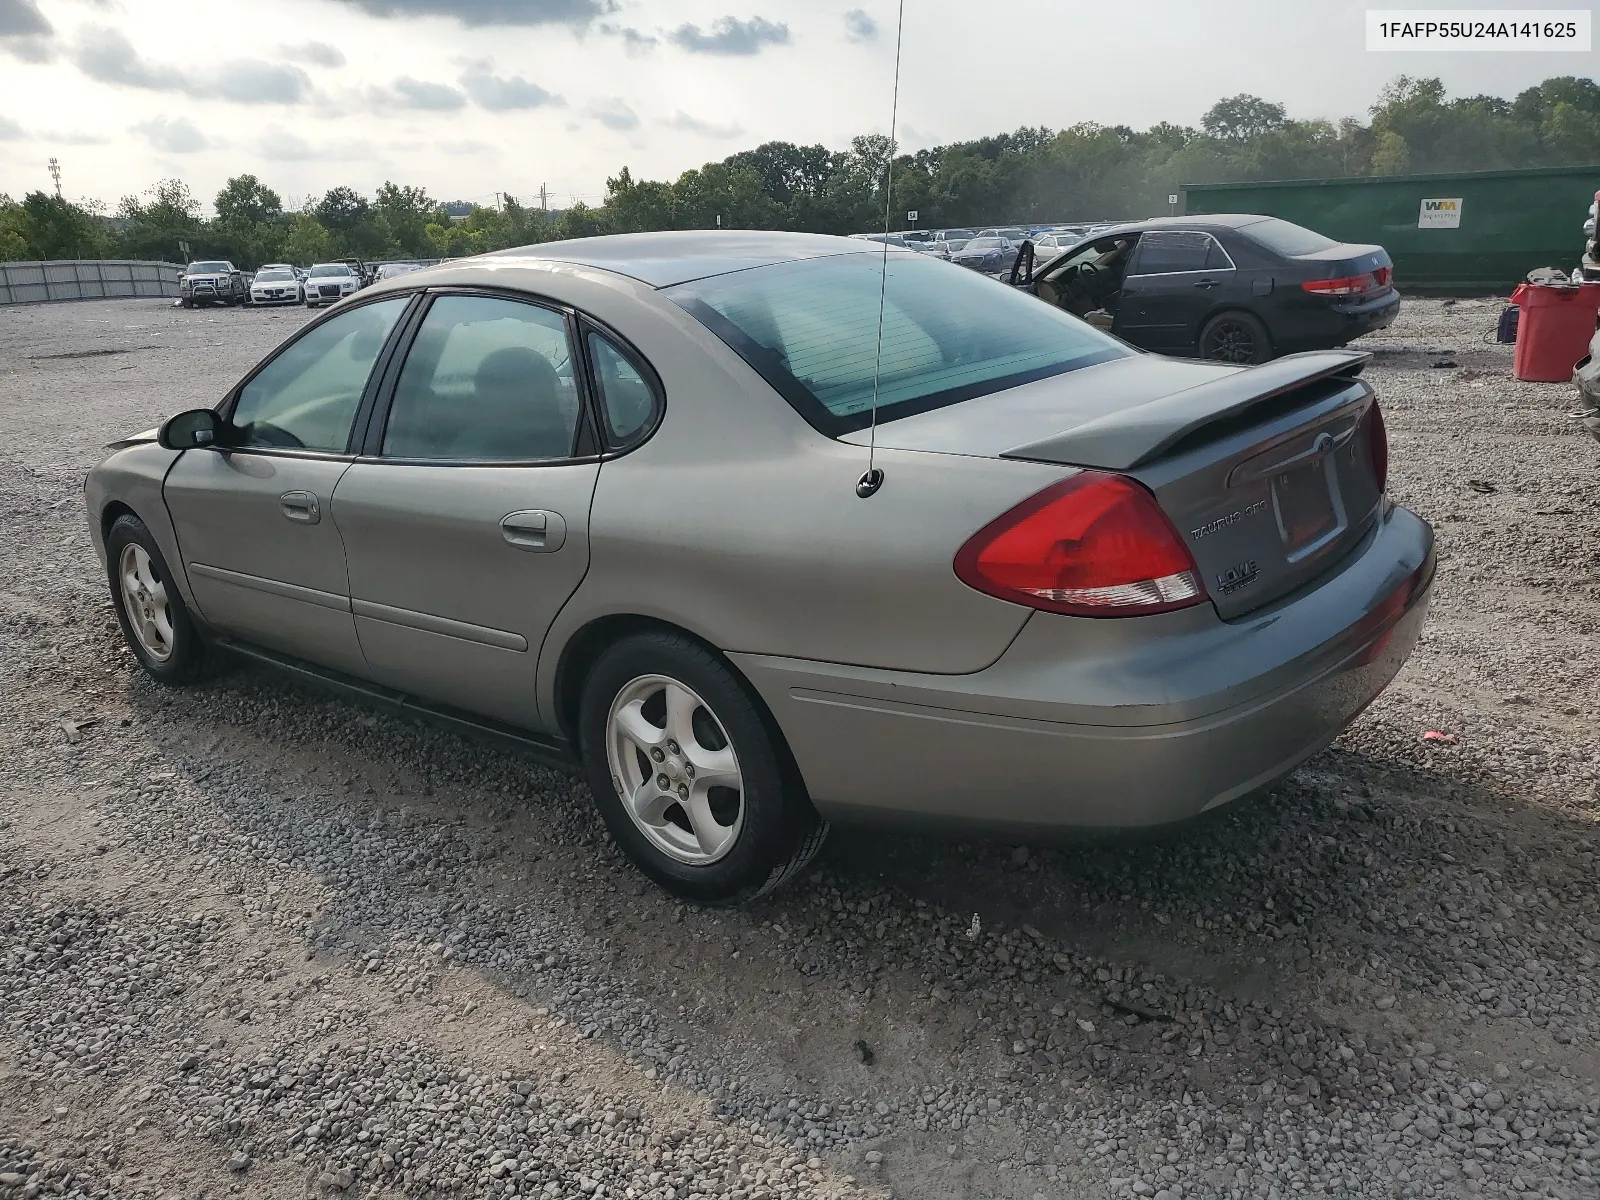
(1206, 283)
(537, 530)
(300, 506)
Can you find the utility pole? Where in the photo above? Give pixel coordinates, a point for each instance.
(55, 173)
(544, 203)
(499, 207)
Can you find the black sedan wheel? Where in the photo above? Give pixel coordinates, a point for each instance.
(1235, 337)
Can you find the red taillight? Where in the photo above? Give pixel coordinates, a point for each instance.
(1378, 438)
(1095, 545)
(1348, 285)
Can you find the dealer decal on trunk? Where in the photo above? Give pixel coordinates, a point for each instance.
(1238, 576)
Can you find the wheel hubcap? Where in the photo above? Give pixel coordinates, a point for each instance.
(675, 770)
(144, 601)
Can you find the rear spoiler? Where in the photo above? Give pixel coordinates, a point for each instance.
(1123, 440)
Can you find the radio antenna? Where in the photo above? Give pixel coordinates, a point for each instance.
(869, 483)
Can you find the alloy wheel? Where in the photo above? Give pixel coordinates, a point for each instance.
(1231, 341)
(144, 600)
(675, 770)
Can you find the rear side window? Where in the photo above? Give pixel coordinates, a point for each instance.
(306, 398)
(486, 380)
(1285, 237)
(810, 328)
(627, 398)
(1162, 251)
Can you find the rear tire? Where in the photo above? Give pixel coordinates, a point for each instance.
(155, 622)
(1235, 337)
(661, 716)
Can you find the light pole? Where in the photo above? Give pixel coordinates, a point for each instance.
(55, 173)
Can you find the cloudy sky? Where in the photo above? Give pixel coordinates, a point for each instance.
(470, 97)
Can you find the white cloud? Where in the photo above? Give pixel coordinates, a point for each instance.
(613, 113)
(177, 136)
(684, 123)
(504, 93)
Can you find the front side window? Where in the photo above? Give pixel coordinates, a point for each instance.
(628, 400)
(306, 398)
(810, 328)
(487, 380)
(1167, 251)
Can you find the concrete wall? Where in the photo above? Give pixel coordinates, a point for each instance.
(32, 282)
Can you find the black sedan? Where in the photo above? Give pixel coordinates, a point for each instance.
(1237, 288)
(990, 255)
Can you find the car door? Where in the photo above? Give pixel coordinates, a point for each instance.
(466, 523)
(1170, 288)
(262, 553)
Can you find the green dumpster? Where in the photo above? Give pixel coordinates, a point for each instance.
(1472, 231)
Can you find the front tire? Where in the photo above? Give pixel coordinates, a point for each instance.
(1235, 337)
(689, 775)
(155, 623)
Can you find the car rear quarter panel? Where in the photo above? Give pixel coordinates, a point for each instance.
(740, 523)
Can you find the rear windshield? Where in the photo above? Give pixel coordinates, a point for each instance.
(1287, 238)
(810, 329)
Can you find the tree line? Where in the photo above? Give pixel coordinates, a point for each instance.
(1084, 172)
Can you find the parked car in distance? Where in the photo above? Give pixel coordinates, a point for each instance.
(1239, 288)
(1093, 588)
(359, 270)
(393, 270)
(954, 239)
(212, 282)
(276, 285)
(1048, 245)
(327, 283)
(986, 254)
(1012, 233)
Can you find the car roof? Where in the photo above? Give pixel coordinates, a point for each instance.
(1199, 221)
(678, 256)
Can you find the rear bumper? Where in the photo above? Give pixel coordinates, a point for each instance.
(1110, 724)
(1305, 327)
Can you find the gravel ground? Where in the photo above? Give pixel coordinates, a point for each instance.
(259, 941)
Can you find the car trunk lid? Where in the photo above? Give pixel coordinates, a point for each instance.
(1267, 472)
(1345, 270)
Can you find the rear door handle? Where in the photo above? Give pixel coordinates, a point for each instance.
(537, 530)
(300, 506)
(1206, 283)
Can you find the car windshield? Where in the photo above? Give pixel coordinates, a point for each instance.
(329, 269)
(1016, 235)
(209, 268)
(957, 233)
(984, 243)
(810, 328)
(273, 276)
(1287, 238)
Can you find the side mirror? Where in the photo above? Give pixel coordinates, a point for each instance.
(192, 430)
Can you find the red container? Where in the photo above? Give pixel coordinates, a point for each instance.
(1554, 329)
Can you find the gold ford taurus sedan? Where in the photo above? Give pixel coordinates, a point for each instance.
(770, 530)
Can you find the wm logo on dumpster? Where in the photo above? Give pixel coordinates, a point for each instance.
(1440, 212)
